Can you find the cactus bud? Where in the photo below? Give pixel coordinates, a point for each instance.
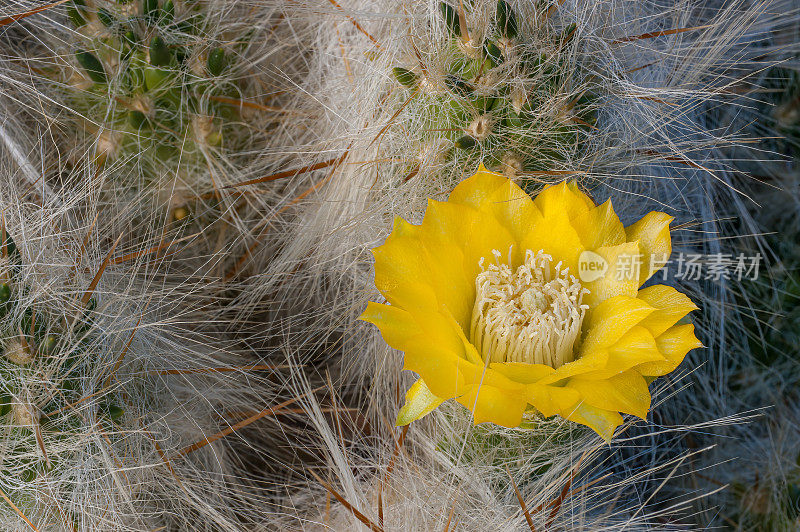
(23, 414)
(466, 142)
(159, 53)
(168, 12)
(506, 20)
(129, 40)
(92, 65)
(458, 85)
(493, 53)
(180, 213)
(29, 474)
(105, 146)
(130, 37)
(518, 99)
(450, 18)
(150, 9)
(205, 132)
(154, 78)
(74, 13)
(48, 345)
(434, 151)
(5, 293)
(405, 76)
(106, 18)
(216, 61)
(18, 352)
(114, 412)
(511, 164)
(481, 127)
(136, 119)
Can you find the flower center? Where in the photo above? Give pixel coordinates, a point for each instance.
(532, 315)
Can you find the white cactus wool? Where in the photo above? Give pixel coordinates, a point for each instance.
(190, 195)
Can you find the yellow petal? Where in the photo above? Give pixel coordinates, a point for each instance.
(403, 228)
(495, 405)
(475, 190)
(474, 232)
(674, 344)
(431, 344)
(514, 209)
(479, 375)
(441, 330)
(622, 276)
(553, 400)
(636, 347)
(607, 322)
(670, 306)
(419, 403)
(396, 325)
(655, 242)
(555, 235)
(499, 197)
(418, 275)
(522, 372)
(400, 275)
(470, 353)
(603, 422)
(626, 393)
(599, 227)
(439, 368)
(563, 198)
(581, 195)
(588, 362)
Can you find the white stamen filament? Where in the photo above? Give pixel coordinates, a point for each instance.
(531, 315)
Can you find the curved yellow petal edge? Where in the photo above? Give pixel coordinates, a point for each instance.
(420, 402)
(496, 303)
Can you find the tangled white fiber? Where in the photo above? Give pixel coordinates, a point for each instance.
(189, 191)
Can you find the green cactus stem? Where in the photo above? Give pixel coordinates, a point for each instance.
(216, 61)
(159, 93)
(92, 65)
(497, 101)
(34, 342)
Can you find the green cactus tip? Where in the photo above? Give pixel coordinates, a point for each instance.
(450, 18)
(216, 61)
(466, 142)
(92, 65)
(159, 53)
(168, 12)
(106, 18)
(506, 20)
(74, 13)
(150, 9)
(405, 76)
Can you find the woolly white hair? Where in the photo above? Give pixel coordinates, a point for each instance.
(273, 273)
(657, 68)
(154, 348)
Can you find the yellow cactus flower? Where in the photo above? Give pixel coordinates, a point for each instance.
(485, 303)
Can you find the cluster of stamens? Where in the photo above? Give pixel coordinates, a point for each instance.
(532, 314)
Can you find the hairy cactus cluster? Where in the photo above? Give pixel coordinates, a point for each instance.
(494, 98)
(50, 398)
(150, 84)
(194, 186)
